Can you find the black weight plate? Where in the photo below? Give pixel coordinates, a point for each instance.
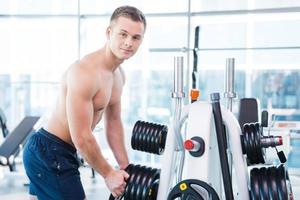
(264, 185)
(254, 182)
(142, 183)
(139, 173)
(135, 132)
(130, 182)
(272, 178)
(281, 180)
(189, 193)
(145, 138)
(153, 175)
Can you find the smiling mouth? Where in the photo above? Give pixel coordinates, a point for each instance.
(127, 50)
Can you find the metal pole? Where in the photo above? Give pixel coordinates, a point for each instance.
(229, 93)
(178, 96)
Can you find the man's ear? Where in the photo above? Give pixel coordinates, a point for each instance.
(108, 32)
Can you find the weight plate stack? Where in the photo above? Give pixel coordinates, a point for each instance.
(142, 183)
(251, 143)
(149, 137)
(270, 183)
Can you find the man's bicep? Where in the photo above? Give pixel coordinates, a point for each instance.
(79, 111)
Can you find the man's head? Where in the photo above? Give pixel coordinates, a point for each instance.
(126, 31)
(129, 12)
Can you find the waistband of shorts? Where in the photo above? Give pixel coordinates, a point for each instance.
(56, 139)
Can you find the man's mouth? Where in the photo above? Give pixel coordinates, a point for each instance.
(127, 50)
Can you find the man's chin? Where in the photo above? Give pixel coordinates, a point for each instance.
(126, 57)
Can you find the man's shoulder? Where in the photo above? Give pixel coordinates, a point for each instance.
(83, 70)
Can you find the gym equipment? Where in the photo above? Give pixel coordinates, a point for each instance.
(195, 63)
(212, 132)
(254, 143)
(229, 93)
(207, 168)
(10, 147)
(143, 181)
(149, 137)
(222, 145)
(270, 183)
(195, 146)
(189, 190)
(266, 182)
(3, 126)
(248, 111)
(199, 120)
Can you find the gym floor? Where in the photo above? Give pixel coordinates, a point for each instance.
(14, 186)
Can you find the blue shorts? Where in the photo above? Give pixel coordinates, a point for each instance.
(52, 168)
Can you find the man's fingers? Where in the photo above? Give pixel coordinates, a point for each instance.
(114, 194)
(119, 192)
(125, 174)
(123, 185)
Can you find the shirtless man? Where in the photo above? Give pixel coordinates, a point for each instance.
(91, 88)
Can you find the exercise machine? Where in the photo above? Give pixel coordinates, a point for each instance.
(10, 147)
(205, 155)
(3, 127)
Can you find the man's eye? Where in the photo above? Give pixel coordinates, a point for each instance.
(123, 35)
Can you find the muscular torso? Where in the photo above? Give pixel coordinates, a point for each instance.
(109, 92)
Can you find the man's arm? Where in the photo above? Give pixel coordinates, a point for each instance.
(80, 112)
(115, 133)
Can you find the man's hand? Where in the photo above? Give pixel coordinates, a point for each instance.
(115, 181)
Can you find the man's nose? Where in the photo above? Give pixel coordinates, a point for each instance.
(128, 42)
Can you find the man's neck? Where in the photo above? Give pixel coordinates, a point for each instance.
(112, 62)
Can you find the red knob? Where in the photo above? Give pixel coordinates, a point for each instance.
(189, 145)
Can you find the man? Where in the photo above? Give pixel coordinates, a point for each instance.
(91, 88)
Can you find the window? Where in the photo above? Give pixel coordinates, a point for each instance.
(39, 40)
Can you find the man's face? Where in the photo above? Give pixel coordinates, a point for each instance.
(125, 36)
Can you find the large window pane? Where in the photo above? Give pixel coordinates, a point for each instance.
(38, 7)
(275, 4)
(221, 35)
(220, 5)
(208, 84)
(277, 33)
(167, 32)
(155, 6)
(23, 95)
(93, 33)
(280, 58)
(147, 93)
(215, 5)
(5, 47)
(5, 94)
(217, 59)
(39, 44)
(280, 88)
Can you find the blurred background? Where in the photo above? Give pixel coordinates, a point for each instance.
(39, 40)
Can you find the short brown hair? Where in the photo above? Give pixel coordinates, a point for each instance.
(129, 12)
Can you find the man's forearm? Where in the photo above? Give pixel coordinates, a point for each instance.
(91, 152)
(121, 155)
(115, 137)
